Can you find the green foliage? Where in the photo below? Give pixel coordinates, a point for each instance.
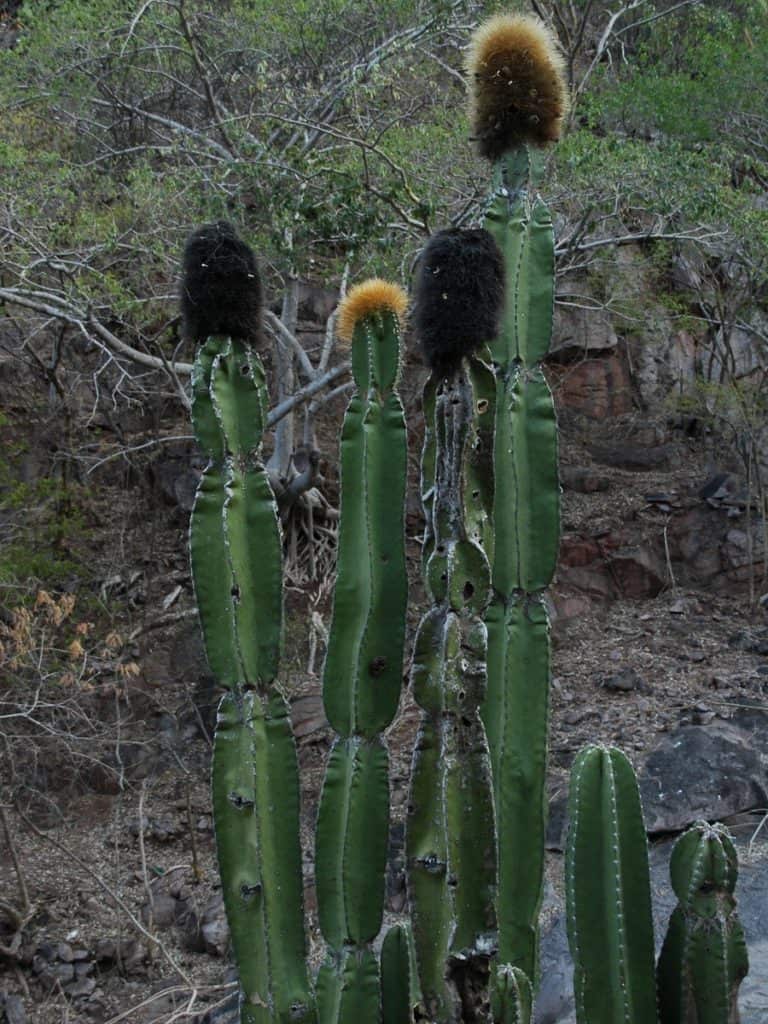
(47, 526)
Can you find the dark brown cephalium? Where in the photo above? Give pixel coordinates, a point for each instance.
(221, 289)
(458, 296)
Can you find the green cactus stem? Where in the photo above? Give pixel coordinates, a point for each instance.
(450, 840)
(610, 928)
(399, 985)
(511, 997)
(704, 957)
(525, 523)
(236, 559)
(349, 989)
(518, 100)
(363, 669)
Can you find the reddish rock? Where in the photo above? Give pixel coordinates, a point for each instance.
(569, 606)
(639, 573)
(597, 388)
(594, 580)
(583, 480)
(578, 551)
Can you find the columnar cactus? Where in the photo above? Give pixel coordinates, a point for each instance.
(704, 956)
(610, 928)
(364, 663)
(480, 669)
(518, 102)
(450, 841)
(236, 565)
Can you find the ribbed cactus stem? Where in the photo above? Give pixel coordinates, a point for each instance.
(610, 928)
(236, 555)
(704, 957)
(363, 667)
(399, 984)
(450, 841)
(511, 997)
(525, 526)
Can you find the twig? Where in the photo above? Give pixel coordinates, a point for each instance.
(25, 902)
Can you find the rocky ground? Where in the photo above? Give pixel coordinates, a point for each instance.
(111, 908)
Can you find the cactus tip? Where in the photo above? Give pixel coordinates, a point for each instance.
(458, 296)
(221, 289)
(518, 91)
(372, 296)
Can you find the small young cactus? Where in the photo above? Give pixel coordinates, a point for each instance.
(610, 928)
(704, 957)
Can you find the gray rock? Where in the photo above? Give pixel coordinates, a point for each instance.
(697, 772)
(13, 1008)
(80, 988)
(214, 927)
(162, 912)
(583, 480)
(625, 681)
(634, 457)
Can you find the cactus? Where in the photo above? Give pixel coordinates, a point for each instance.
(511, 997)
(236, 565)
(399, 985)
(518, 102)
(480, 667)
(610, 928)
(364, 662)
(450, 841)
(704, 956)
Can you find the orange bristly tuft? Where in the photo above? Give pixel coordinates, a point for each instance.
(373, 296)
(517, 83)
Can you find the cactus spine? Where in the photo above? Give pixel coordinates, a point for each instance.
(704, 956)
(363, 668)
(236, 559)
(610, 928)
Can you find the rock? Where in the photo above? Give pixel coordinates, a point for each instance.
(696, 772)
(633, 457)
(583, 480)
(749, 641)
(13, 1008)
(132, 953)
(106, 950)
(307, 715)
(176, 478)
(52, 975)
(81, 987)
(214, 927)
(625, 681)
(568, 607)
(578, 551)
(596, 388)
(578, 331)
(639, 572)
(718, 487)
(162, 911)
(47, 950)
